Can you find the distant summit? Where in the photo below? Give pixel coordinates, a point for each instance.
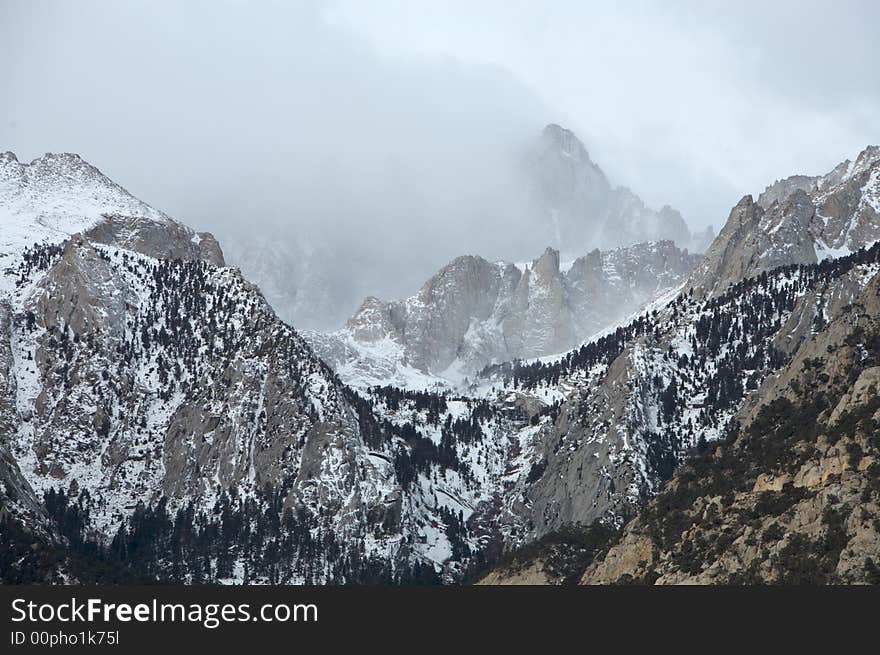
(567, 201)
(581, 208)
(473, 312)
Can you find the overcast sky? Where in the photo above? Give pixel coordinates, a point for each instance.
(691, 103)
(222, 112)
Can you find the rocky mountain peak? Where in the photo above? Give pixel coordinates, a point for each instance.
(547, 264)
(867, 157)
(61, 159)
(61, 194)
(372, 321)
(582, 208)
(473, 312)
(67, 167)
(566, 143)
(781, 189)
(798, 220)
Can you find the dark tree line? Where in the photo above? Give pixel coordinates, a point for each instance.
(250, 540)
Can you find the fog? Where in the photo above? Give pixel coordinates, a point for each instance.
(381, 134)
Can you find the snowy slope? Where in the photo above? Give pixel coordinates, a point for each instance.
(58, 195)
(135, 382)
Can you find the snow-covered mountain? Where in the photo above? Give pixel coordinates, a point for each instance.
(799, 220)
(155, 411)
(151, 396)
(570, 205)
(580, 208)
(58, 195)
(473, 313)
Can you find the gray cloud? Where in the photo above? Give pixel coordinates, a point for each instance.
(234, 117)
(386, 127)
(692, 103)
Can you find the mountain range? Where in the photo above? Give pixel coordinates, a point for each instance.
(569, 203)
(474, 313)
(160, 422)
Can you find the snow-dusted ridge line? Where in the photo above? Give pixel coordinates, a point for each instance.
(141, 376)
(181, 411)
(473, 313)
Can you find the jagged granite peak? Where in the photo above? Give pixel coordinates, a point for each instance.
(567, 172)
(583, 210)
(780, 190)
(565, 142)
(474, 312)
(799, 220)
(567, 202)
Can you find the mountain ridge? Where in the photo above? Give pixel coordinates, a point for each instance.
(473, 313)
(567, 203)
(150, 395)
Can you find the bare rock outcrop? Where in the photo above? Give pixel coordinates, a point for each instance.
(799, 220)
(474, 312)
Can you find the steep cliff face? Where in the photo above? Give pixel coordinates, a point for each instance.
(799, 220)
(474, 312)
(582, 210)
(22, 516)
(143, 384)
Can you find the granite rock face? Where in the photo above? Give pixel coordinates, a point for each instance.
(474, 312)
(799, 220)
(794, 496)
(166, 240)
